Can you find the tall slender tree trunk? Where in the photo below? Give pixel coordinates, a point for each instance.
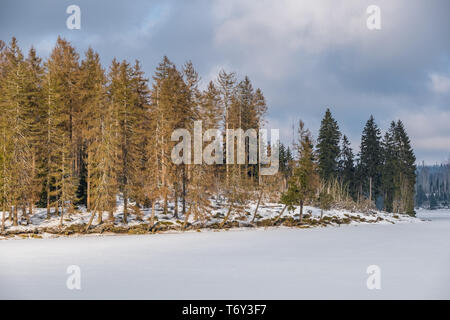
(91, 219)
(152, 216)
(15, 222)
(3, 217)
(25, 214)
(230, 209)
(30, 209)
(370, 189)
(100, 217)
(186, 218)
(257, 206)
(175, 208)
(111, 216)
(5, 197)
(301, 212)
(184, 190)
(226, 131)
(125, 207)
(88, 182)
(33, 188)
(166, 201)
(280, 214)
(61, 223)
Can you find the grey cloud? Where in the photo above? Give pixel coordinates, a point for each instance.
(305, 55)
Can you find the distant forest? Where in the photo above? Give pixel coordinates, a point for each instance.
(433, 186)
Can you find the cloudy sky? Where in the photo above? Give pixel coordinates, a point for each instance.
(305, 55)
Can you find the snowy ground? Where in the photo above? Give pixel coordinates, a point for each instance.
(40, 224)
(277, 263)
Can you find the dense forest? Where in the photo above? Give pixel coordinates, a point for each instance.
(73, 134)
(433, 186)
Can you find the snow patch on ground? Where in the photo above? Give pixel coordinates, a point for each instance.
(215, 215)
(278, 263)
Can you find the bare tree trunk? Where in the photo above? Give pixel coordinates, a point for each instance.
(257, 206)
(125, 207)
(186, 217)
(111, 216)
(100, 217)
(33, 187)
(301, 212)
(175, 208)
(15, 215)
(30, 209)
(230, 209)
(88, 182)
(152, 216)
(48, 199)
(62, 214)
(279, 215)
(25, 214)
(165, 210)
(3, 217)
(91, 219)
(184, 190)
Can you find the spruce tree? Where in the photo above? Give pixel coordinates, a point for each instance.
(406, 170)
(371, 158)
(227, 89)
(390, 168)
(4, 138)
(347, 167)
(328, 150)
(304, 181)
(60, 98)
(99, 138)
(15, 107)
(260, 105)
(36, 112)
(128, 119)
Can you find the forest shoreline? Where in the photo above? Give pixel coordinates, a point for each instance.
(167, 224)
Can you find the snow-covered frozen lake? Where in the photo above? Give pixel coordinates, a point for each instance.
(278, 263)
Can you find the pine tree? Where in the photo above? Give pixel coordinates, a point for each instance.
(328, 150)
(141, 94)
(34, 115)
(390, 168)
(259, 102)
(370, 158)
(285, 161)
(161, 107)
(406, 170)
(99, 138)
(128, 119)
(304, 180)
(60, 108)
(227, 88)
(189, 109)
(4, 183)
(17, 102)
(347, 166)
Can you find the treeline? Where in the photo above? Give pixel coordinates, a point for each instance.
(382, 174)
(74, 134)
(433, 186)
